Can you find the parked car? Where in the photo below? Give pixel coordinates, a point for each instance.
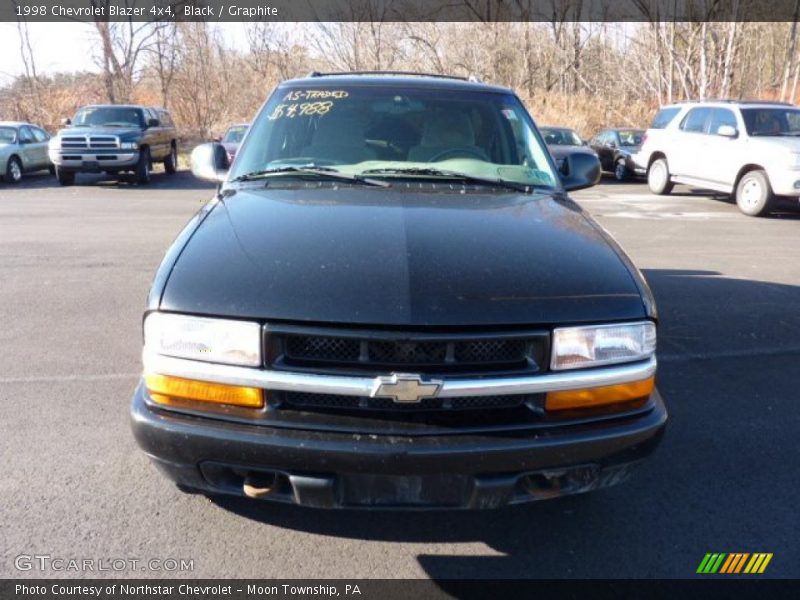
(750, 150)
(392, 302)
(23, 149)
(232, 138)
(563, 141)
(115, 138)
(614, 147)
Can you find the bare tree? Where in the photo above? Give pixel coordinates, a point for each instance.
(122, 44)
(29, 64)
(164, 54)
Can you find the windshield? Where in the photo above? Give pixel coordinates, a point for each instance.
(561, 137)
(397, 132)
(772, 121)
(234, 134)
(8, 135)
(630, 137)
(108, 116)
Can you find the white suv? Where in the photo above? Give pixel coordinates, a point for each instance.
(748, 149)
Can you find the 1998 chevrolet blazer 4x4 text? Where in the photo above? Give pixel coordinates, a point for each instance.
(392, 302)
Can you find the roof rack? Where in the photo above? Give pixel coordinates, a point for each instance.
(406, 73)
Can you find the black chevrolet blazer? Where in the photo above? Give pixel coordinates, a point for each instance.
(392, 302)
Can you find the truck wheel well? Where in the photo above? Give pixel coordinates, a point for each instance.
(743, 171)
(654, 157)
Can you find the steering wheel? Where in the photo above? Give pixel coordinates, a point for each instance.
(479, 154)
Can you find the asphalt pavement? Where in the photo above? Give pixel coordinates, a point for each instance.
(75, 268)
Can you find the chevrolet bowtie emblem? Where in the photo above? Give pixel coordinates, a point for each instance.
(404, 388)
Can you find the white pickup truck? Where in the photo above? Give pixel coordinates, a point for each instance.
(748, 149)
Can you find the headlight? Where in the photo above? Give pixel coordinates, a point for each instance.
(198, 338)
(128, 146)
(577, 347)
(54, 143)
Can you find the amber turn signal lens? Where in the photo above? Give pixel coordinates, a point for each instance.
(172, 391)
(599, 396)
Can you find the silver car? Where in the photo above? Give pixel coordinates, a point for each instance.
(23, 149)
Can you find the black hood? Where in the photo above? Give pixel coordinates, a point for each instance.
(400, 258)
(559, 152)
(122, 132)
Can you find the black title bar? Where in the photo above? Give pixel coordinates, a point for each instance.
(707, 588)
(398, 10)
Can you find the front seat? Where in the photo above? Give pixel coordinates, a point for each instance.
(450, 133)
(340, 139)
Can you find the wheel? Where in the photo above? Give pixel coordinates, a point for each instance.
(754, 195)
(620, 170)
(65, 177)
(143, 167)
(658, 177)
(171, 162)
(13, 170)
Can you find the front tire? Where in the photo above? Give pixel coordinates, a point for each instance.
(754, 195)
(171, 162)
(13, 170)
(65, 177)
(658, 177)
(620, 170)
(143, 167)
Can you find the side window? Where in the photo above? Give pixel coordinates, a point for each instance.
(695, 120)
(25, 135)
(720, 117)
(40, 135)
(664, 117)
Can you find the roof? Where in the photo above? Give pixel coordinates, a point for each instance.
(15, 124)
(559, 127)
(729, 102)
(399, 79)
(108, 104)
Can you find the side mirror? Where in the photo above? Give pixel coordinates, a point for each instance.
(612, 144)
(153, 122)
(580, 170)
(728, 131)
(66, 121)
(210, 162)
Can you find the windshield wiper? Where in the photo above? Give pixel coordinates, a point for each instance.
(311, 170)
(447, 174)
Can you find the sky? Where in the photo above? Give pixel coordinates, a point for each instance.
(64, 47)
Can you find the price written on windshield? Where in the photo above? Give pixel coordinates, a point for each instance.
(301, 109)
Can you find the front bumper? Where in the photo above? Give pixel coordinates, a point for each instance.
(339, 470)
(92, 162)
